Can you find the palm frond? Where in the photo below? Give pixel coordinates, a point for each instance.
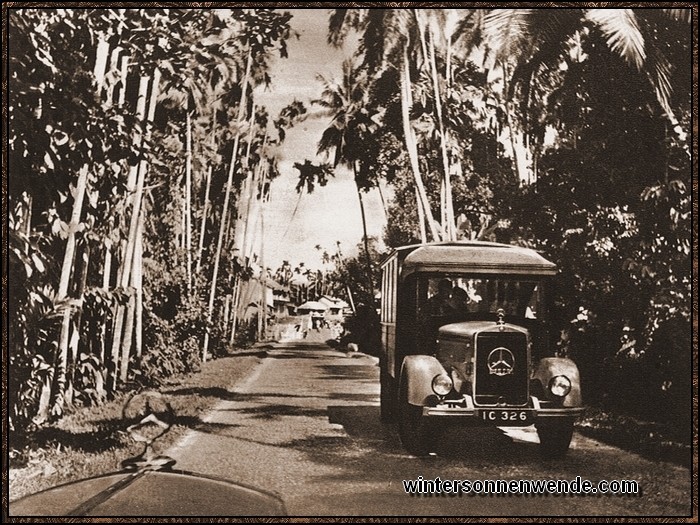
(468, 33)
(341, 21)
(681, 15)
(552, 32)
(505, 31)
(658, 71)
(332, 139)
(621, 29)
(337, 28)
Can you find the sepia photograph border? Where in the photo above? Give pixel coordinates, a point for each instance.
(350, 519)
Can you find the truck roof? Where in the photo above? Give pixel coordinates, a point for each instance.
(472, 257)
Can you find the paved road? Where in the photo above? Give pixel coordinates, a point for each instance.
(305, 424)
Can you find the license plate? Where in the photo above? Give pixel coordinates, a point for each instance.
(501, 417)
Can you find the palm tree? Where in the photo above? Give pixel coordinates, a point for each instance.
(527, 43)
(387, 44)
(346, 134)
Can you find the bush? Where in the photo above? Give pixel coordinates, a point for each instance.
(164, 353)
(364, 328)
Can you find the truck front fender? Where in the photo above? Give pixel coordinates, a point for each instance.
(550, 367)
(417, 373)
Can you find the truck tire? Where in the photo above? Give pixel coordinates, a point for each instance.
(555, 437)
(387, 397)
(412, 427)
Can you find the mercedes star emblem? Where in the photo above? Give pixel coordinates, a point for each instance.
(501, 361)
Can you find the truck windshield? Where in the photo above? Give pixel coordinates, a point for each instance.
(463, 297)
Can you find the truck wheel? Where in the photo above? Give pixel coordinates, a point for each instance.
(387, 398)
(555, 437)
(412, 427)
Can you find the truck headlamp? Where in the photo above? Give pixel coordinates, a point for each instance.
(560, 386)
(442, 384)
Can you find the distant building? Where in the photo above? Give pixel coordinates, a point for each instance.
(310, 307)
(335, 306)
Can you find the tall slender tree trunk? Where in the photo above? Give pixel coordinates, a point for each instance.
(113, 66)
(243, 205)
(106, 277)
(137, 275)
(509, 123)
(236, 299)
(227, 306)
(101, 55)
(126, 319)
(368, 259)
(450, 228)
(411, 145)
(129, 315)
(421, 219)
(27, 218)
(188, 202)
(262, 314)
(227, 197)
(75, 338)
(124, 71)
(64, 282)
(202, 229)
(381, 198)
(352, 302)
(443, 210)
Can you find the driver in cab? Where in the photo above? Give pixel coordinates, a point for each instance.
(436, 310)
(440, 304)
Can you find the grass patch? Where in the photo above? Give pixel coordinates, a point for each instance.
(92, 441)
(653, 440)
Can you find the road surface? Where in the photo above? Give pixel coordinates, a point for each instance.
(305, 425)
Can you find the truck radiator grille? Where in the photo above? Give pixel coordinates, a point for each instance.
(501, 372)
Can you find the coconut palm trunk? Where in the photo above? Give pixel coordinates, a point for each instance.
(106, 277)
(450, 229)
(75, 338)
(235, 301)
(368, 259)
(125, 317)
(61, 364)
(227, 198)
(421, 219)
(188, 201)
(411, 144)
(202, 229)
(138, 285)
(509, 122)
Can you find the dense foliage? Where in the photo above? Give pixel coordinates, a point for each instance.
(127, 127)
(138, 159)
(562, 130)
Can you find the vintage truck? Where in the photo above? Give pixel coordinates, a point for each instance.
(467, 338)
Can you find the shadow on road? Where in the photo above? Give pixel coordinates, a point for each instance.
(292, 355)
(208, 427)
(359, 372)
(350, 396)
(278, 410)
(450, 441)
(481, 448)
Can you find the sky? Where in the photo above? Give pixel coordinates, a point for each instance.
(330, 213)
